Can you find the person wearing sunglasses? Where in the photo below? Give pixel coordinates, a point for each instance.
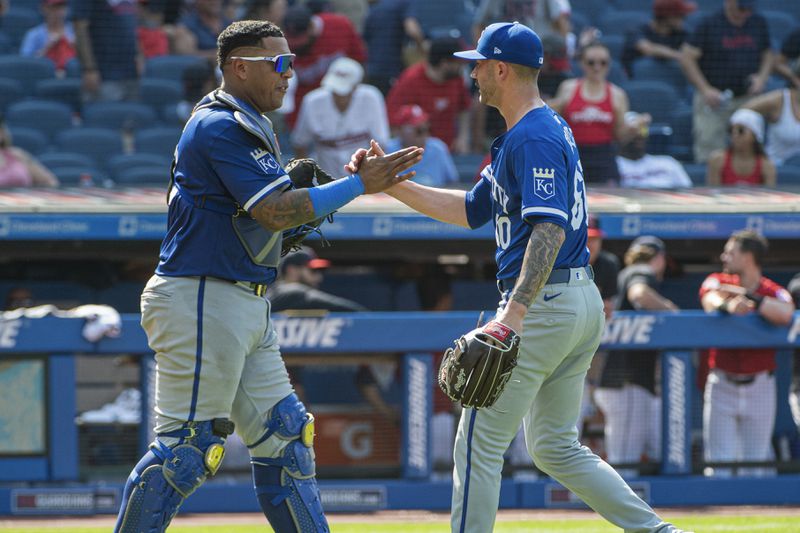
(205, 311)
(595, 110)
(744, 161)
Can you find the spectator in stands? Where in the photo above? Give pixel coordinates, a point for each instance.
(339, 117)
(662, 37)
(787, 64)
(726, 59)
(318, 40)
(413, 128)
(740, 404)
(18, 168)
(781, 108)
(384, 35)
(627, 390)
(437, 86)
(638, 169)
(427, 21)
(605, 266)
(197, 30)
(107, 47)
(272, 10)
(794, 393)
(154, 40)
(595, 109)
(53, 38)
(198, 81)
(744, 161)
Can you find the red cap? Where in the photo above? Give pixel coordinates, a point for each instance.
(412, 115)
(673, 8)
(594, 227)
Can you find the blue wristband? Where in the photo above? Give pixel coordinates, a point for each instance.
(331, 196)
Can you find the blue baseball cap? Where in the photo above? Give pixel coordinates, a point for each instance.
(511, 42)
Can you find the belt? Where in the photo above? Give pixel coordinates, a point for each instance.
(259, 289)
(559, 275)
(743, 379)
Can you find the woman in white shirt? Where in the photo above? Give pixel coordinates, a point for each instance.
(781, 108)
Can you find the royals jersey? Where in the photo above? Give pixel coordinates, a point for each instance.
(534, 176)
(218, 164)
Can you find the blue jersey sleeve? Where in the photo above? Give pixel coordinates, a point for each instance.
(247, 170)
(478, 204)
(541, 168)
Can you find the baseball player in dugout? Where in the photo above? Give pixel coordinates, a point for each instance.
(740, 397)
(232, 210)
(550, 318)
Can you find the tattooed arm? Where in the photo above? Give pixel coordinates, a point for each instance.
(285, 209)
(543, 246)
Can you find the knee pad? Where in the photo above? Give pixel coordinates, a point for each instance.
(289, 420)
(167, 475)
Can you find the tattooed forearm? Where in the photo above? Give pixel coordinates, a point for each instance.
(543, 247)
(283, 210)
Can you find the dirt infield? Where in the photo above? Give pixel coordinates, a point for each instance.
(393, 516)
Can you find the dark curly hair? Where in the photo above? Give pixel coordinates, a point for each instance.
(244, 33)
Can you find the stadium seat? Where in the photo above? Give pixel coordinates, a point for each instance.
(74, 176)
(143, 176)
(17, 21)
(98, 143)
(614, 22)
(157, 93)
(64, 90)
(73, 68)
(657, 98)
(119, 163)
(29, 139)
(27, 70)
(65, 159)
(44, 115)
(592, 10)
(633, 5)
(669, 72)
(10, 91)
(789, 7)
(789, 175)
(697, 172)
(615, 44)
(6, 46)
(119, 115)
(161, 141)
(169, 67)
(793, 161)
(682, 140)
(780, 24)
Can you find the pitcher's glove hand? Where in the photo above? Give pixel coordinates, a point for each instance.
(476, 370)
(304, 173)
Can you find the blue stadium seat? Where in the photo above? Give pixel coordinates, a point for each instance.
(614, 22)
(579, 22)
(682, 140)
(143, 176)
(615, 44)
(74, 176)
(780, 24)
(592, 10)
(72, 69)
(64, 90)
(440, 18)
(634, 5)
(789, 7)
(119, 115)
(169, 67)
(10, 91)
(44, 115)
(670, 72)
(793, 161)
(29, 139)
(65, 159)
(97, 143)
(27, 70)
(17, 21)
(157, 93)
(161, 141)
(697, 172)
(6, 45)
(789, 175)
(657, 98)
(121, 162)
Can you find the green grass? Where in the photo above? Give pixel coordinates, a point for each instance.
(700, 524)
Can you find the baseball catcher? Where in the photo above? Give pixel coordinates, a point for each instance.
(305, 173)
(476, 370)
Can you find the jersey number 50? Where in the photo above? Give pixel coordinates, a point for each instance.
(579, 203)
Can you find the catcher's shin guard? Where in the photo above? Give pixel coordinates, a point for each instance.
(167, 475)
(285, 486)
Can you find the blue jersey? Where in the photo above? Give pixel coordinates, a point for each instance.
(535, 176)
(216, 160)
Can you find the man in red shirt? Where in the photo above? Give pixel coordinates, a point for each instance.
(740, 398)
(437, 86)
(318, 40)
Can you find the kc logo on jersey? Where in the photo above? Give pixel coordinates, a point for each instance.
(544, 183)
(265, 160)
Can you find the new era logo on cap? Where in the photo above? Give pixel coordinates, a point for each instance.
(497, 50)
(511, 42)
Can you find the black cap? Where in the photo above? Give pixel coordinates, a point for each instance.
(651, 242)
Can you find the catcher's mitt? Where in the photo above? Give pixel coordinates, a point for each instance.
(477, 369)
(304, 173)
